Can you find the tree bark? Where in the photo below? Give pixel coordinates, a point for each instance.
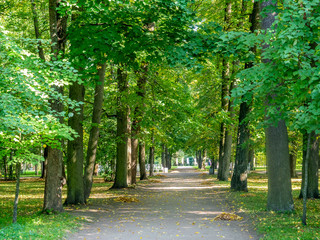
(293, 162)
(94, 131)
(75, 156)
(54, 180)
(122, 132)
(129, 152)
(167, 158)
(5, 168)
(277, 149)
(142, 161)
(36, 29)
(151, 155)
(239, 177)
(137, 117)
(44, 163)
(163, 156)
(224, 107)
(312, 178)
(16, 199)
(243, 156)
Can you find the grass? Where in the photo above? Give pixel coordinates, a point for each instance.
(31, 223)
(273, 225)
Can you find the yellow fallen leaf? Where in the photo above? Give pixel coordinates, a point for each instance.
(228, 217)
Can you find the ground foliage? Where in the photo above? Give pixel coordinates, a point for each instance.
(270, 224)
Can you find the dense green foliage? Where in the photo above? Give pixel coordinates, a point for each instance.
(200, 60)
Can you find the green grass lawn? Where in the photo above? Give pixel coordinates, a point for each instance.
(31, 223)
(271, 224)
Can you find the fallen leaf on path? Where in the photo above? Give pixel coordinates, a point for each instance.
(155, 181)
(206, 183)
(126, 199)
(160, 175)
(228, 217)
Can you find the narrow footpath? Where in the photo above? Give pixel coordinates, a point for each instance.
(179, 205)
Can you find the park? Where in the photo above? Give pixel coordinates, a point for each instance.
(159, 119)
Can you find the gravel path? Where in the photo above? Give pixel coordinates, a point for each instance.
(181, 206)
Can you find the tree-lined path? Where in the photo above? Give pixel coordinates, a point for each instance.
(181, 205)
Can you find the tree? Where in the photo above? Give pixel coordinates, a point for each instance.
(239, 177)
(277, 150)
(94, 131)
(54, 179)
(122, 130)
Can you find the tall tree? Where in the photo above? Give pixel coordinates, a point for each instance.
(239, 177)
(223, 145)
(75, 155)
(277, 149)
(54, 179)
(94, 131)
(36, 29)
(137, 118)
(312, 177)
(122, 131)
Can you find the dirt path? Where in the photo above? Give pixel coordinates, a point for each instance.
(181, 206)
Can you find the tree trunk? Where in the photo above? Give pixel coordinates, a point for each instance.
(279, 183)
(224, 107)
(16, 199)
(137, 117)
(53, 182)
(163, 156)
(94, 131)
(142, 161)
(312, 190)
(305, 180)
(122, 132)
(239, 177)
(226, 158)
(36, 29)
(54, 179)
(134, 158)
(129, 153)
(75, 156)
(199, 158)
(277, 150)
(5, 168)
(293, 161)
(44, 163)
(167, 158)
(204, 159)
(151, 155)
(243, 153)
